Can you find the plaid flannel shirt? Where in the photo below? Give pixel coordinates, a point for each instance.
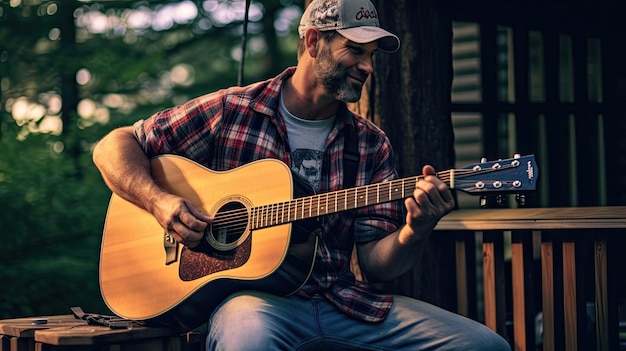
(235, 126)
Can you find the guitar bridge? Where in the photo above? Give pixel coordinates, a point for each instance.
(171, 249)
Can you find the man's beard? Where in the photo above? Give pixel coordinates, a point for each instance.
(334, 78)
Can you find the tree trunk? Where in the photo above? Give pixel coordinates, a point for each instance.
(409, 97)
(69, 87)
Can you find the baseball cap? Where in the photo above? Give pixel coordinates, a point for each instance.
(357, 20)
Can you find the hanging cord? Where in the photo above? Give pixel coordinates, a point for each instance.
(244, 40)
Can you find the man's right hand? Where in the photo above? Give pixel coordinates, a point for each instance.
(181, 220)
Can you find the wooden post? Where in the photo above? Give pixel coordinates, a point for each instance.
(493, 268)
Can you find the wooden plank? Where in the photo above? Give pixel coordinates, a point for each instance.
(601, 295)
(461, 279)
(21, 344)
(547, 293)
(489, 277)
(569, 296)
(153, 344)
(599, 217)
(18, 333)
(195, 341)
(26, 327)
(466, 275)
(522, 273)
(97, 335)
(493, 275)
(519, 297)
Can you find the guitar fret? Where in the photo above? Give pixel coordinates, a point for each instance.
(295, 210)
(289, 212)
(274, 214)
(318, 206)
(326, 197)
(252, 218)
(361, 196)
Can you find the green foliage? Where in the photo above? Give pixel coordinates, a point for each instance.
(52, 199)
(51, 223)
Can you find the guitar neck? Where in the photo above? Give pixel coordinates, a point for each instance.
(335, 201)
(511, 175)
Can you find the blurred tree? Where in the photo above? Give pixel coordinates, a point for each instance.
(72, 70)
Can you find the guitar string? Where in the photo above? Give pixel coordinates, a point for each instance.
(267, 215)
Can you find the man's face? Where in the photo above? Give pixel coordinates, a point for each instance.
(343, 66)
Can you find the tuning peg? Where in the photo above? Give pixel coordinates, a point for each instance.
(482, 200)
(520, 199)
(500, 200)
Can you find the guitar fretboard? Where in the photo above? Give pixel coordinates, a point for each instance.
(331, 202)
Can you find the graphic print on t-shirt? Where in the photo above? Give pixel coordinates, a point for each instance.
(308, 164)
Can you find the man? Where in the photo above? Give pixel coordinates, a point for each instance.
(300, 117)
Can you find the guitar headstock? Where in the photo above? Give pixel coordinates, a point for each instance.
(511, 175)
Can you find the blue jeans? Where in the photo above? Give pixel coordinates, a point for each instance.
(254, 320)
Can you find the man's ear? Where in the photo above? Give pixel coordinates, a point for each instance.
(312, 39)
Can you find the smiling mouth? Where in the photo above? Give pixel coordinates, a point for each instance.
(357, 79)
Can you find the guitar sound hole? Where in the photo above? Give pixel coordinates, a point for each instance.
(229, 228)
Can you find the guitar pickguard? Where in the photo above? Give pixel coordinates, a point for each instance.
(227, 246)
(204, 260)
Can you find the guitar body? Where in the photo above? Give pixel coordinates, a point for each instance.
(146, 276)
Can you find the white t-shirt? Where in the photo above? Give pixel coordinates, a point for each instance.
(307, 141)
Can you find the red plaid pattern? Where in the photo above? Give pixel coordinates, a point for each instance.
(235, 126)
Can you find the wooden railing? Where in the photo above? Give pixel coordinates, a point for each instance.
(576, 249)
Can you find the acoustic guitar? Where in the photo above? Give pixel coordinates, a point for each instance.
(262, 238)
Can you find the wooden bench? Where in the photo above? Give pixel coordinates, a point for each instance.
(66, 333)
(18, 334)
